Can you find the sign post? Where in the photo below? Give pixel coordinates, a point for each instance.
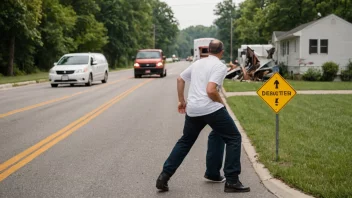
(276, 92)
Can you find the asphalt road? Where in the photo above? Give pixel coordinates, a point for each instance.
(108, 140)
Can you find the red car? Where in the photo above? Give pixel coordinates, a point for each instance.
(148, 62)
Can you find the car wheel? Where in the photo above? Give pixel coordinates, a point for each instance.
(54, 85)
(137, 76)
(105, 78)
(72, 85)
(165, 73)
(90, 80)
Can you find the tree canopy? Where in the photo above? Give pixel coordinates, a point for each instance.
(36, 33)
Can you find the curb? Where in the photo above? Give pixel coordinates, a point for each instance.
(275, 186)
(18, 84)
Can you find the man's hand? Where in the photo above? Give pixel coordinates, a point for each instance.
(181, 97)
(182, 107)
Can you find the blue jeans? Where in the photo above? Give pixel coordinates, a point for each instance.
(215, 155)
(223, 127)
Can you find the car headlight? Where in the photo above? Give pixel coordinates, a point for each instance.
(159, 64)
(82, 70)
(52, 71)
(136, 65)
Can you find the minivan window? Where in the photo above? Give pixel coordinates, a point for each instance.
(73, 60)
(148, 55)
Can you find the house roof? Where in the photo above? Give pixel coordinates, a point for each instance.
(294, 30)
(291, 33)
(278, 33)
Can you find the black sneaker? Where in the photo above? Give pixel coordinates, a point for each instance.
(161, 182)
(236, 187)
(218, 179)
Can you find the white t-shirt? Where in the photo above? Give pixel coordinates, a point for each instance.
(199, 74)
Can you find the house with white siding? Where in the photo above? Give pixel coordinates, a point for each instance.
(312, 44)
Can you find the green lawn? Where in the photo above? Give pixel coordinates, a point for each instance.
(315, 141)
(233, 86)
(30, 77)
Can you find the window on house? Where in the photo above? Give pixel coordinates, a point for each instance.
(324, 46)
(283, 48)
(313, 46)
(288, 47)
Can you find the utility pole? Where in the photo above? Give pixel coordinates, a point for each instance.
(154, 36)
(231, 32)
(231, 40)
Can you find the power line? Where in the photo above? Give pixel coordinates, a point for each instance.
(195, 4)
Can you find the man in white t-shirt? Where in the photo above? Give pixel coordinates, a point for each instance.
(205, 107)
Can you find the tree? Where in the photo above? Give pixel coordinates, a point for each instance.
(166, 27)
(19, 19)
(90, 34)
(226, 12)
(129, 28)
(56, 29)
(250, 25)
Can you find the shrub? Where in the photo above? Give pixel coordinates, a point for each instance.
(17, 71)
(312, 75)
(283, 70)
(330, 70)
(346, 75)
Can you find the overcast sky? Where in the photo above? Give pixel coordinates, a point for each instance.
(194, 12)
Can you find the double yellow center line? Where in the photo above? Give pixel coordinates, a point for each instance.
(23, 158)
(55, 100)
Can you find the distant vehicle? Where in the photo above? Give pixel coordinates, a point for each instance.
(79, 68)
(189, 58)
(149, 61)
(201, 48)
(175, 58)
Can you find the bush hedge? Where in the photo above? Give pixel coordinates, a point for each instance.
(330, 70)
(312, 75)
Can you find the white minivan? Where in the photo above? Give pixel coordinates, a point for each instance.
(79, 68)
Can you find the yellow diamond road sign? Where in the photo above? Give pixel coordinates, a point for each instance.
(276, 92)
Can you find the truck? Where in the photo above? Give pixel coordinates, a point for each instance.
(201, 48)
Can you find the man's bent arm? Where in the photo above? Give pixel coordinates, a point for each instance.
(213, 93)
(181, 89)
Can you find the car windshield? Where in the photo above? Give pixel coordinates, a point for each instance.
(148, 55)
(73, 60)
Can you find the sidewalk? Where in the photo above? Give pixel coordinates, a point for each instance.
(305, 92)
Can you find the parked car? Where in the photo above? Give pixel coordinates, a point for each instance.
(79, 68)
(150, 61)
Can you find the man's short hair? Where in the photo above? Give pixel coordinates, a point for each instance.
(216, 46)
